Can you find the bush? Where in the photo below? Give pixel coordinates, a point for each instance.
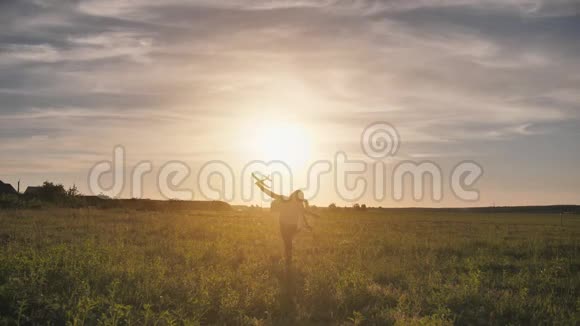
(16, 201)
(9, 201)
(51, 192)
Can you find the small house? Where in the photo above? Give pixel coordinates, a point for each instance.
(32, 191)
(7, 189)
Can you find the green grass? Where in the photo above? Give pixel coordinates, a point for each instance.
(117, 267)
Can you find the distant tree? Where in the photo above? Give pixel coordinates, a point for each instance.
(51, 192)
(332, 206)
(73, 191)
(363, 207)
(356, 207)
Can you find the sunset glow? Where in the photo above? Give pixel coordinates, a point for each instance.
(493, 82)
(283, 141)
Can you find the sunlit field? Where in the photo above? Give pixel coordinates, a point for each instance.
(117, 267)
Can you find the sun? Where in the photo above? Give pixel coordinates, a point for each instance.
(283, 141)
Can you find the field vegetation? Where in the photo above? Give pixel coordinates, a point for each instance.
(130, 267)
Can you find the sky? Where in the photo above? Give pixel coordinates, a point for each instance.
(495, 82)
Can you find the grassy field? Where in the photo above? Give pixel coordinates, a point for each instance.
(118, 267)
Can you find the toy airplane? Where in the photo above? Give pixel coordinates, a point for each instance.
(261, 179)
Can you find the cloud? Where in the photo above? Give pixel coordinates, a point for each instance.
(87, 48)
(136, 8)
(14, 53)
(91, 74)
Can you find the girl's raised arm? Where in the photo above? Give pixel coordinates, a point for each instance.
(268, 191)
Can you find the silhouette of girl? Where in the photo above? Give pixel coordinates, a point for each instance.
(292, 210)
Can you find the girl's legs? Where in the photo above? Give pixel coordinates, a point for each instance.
(288, 232)
(288, 250)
